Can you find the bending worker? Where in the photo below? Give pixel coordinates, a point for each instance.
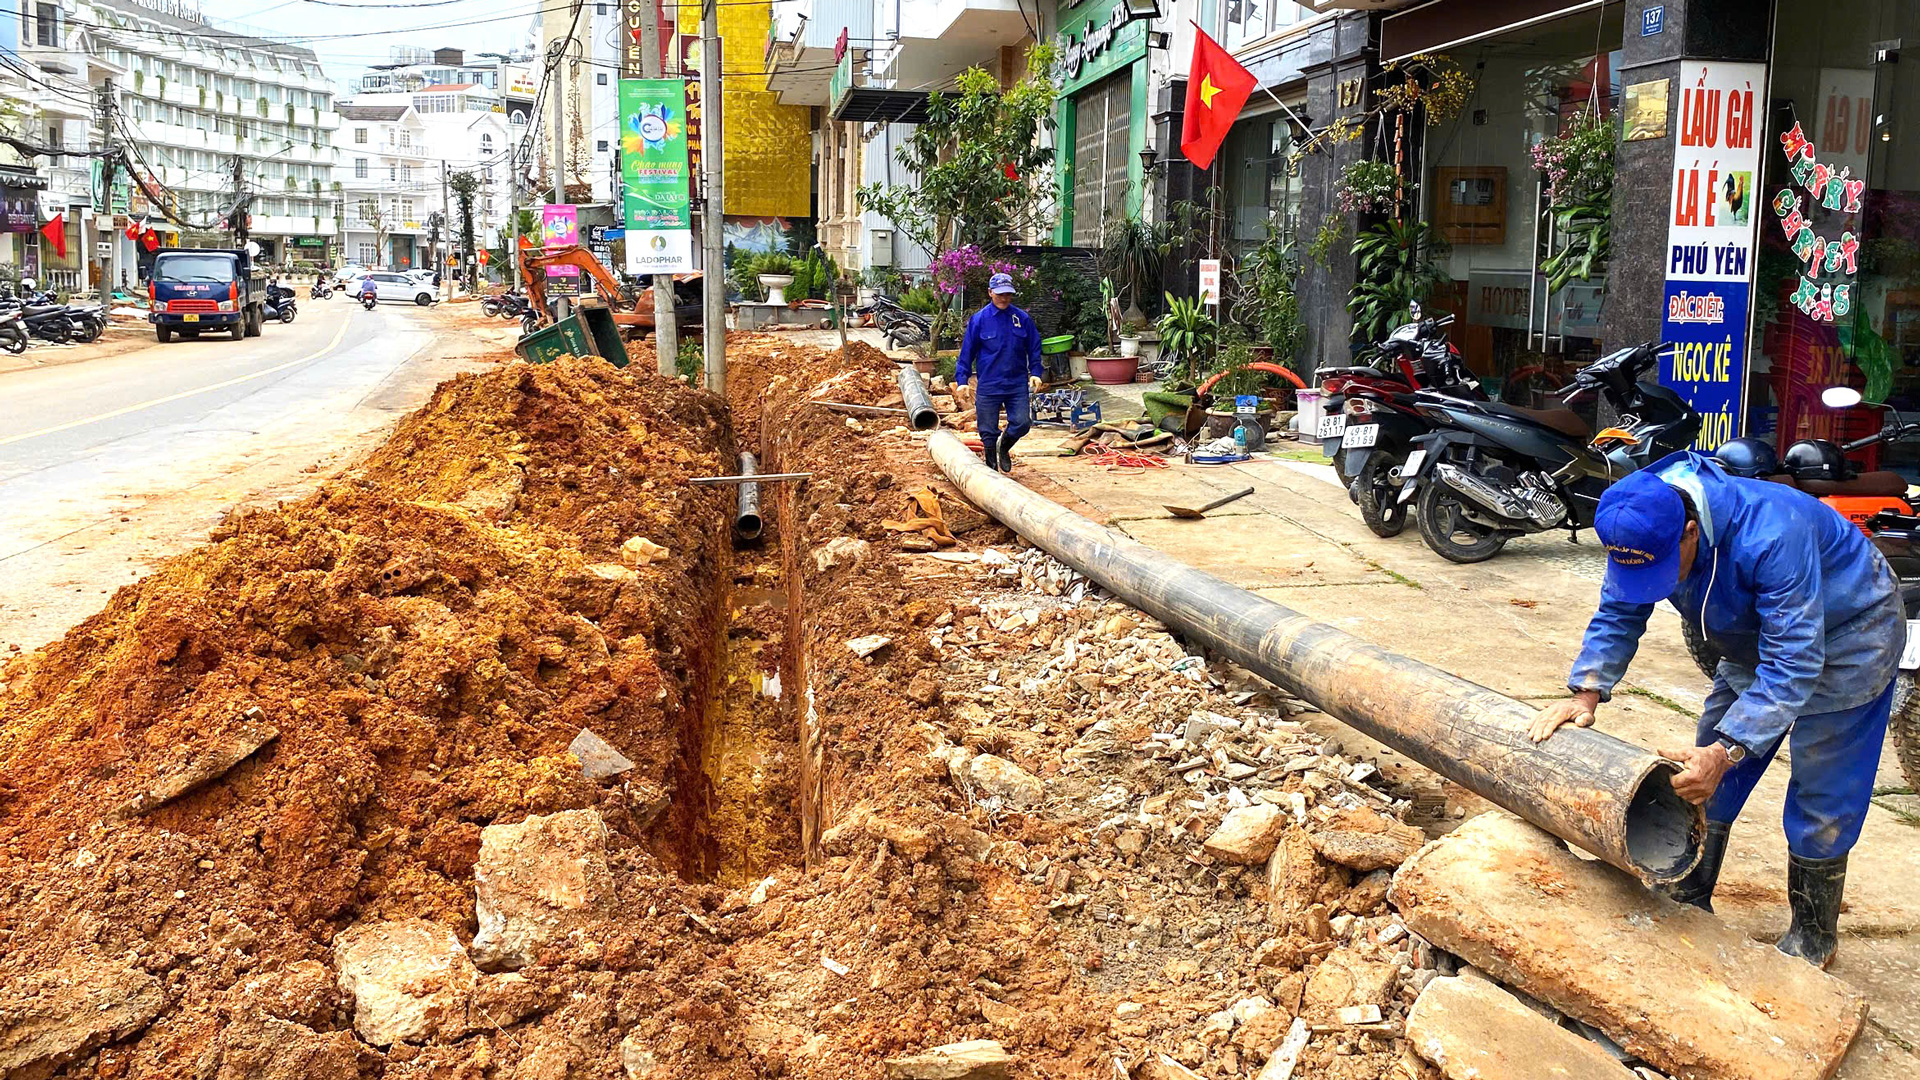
(1807, 616)
(1001, 349)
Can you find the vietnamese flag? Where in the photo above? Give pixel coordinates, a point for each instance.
(1217, 88)
(56, 233)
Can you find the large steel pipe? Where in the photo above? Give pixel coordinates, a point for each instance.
(746, 518)
(1604, 795)
(913, 394)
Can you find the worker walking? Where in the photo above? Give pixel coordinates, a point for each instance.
(1001, 350)
(1808, 617)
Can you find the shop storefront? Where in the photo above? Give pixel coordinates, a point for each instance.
(1103, 117)
(1836, 284)
(1480, 190)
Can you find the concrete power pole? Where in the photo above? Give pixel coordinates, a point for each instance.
(446, 233)
(108, 163)
(666, 332)
(713, 322)
(556, 86)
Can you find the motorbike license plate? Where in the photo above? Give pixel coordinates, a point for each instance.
(1360, 435)
(1910, 656)
(189, 318)
(1332, 427)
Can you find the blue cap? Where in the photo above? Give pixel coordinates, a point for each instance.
(1000, 283)
(1640, 521)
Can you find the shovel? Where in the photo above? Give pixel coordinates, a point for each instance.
(1200, 512)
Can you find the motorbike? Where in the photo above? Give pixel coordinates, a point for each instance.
(1370, 423)
(507, 305)
(902, 327)
(369, 301)
(1877, 503)
(1489, 472)
(87, 320)
(280, 304)
(13, 333)
(321, 290)
(48, 322)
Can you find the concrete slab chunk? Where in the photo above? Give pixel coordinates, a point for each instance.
(1473, 1030)
(975, 1059)
(51, 1018)
(537, 881)
(1672, 984)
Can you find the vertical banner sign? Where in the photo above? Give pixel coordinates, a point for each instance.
(560, 228)
(1716, 169)
(1210, 281)
(656, 209)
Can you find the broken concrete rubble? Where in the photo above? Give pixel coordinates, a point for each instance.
(1002, 779)
(1362, 839)
(598, 759)
(1247, 835)
(259, 1047)
(409, 980)
(1473, 1030)
(198, 764)
(1671, 983)
(536, 882)
(976, 1059)
(57, 1017)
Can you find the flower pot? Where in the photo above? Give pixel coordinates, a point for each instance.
(1129, 346)
(1220, 424)
(1077, 363)
(776, 286)
(1112, 371)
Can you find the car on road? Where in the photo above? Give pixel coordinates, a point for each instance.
(395, 288)
(348, 274)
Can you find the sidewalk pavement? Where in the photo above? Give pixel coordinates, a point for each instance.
(1514, 624)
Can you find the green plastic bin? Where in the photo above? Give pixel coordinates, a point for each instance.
(1059, 343)
(568, 337)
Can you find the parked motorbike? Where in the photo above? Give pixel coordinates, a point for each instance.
(1489, 472)
(1877, 503)
(48, 322)
(88, 322)
(507, 305)
(902, 327)
(13, 333)
(280, 304)
(1370, 423)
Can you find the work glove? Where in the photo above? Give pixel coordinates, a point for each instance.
(1033, 384)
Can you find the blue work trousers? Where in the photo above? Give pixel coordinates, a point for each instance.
(1835, 756)
(986, 410)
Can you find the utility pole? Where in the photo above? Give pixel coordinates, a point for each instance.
(666, 332)
(446, 226)
(108, 163)
(555, 86)
(713, 322)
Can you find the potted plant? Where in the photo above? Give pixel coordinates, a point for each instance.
(1187, 330)
(1108, 368)
(774, 272)
(1579, 168)
(1397, 263)
(1132, 253)
(1130, 332)
(1235, 378)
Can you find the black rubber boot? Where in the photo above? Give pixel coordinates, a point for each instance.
(1697, 887)
(1005, 464)
(1813, 891)
(990, 451)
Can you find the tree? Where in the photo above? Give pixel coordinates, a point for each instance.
(465, 186)
(975, 159)
(507, 255)
(371, 213)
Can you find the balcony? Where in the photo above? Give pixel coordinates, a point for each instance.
(856, 95)
(801, 54)
(938, 39)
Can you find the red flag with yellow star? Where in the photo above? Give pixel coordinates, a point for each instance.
(1217, 88)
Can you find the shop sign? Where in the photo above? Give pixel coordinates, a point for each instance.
(1210, 281)
(559, 228)
(655, 207)
(18, 212)
(1710, 236)
(309, 241)
(1504, 299)
(1099, 39)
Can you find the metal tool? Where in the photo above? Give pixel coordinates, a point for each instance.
(1201, 511)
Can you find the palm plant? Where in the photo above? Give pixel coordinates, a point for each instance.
(1133, 252)
(1397, 264)
(1187, 329)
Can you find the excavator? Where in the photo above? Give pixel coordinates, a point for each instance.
(639, 316)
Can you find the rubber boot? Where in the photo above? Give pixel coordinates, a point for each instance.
(1005, 463)
(990, 451)
(1813, 891)
(1697, 887)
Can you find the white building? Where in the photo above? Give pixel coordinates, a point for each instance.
(415, 140)
(387, 191)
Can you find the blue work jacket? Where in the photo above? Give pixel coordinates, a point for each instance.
(1803, 608)
(1002, 347)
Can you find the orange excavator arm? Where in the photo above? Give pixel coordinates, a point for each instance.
(531, 259)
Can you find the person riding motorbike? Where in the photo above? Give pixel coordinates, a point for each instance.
(368, 289)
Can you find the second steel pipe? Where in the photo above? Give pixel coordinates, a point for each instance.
(1600, 793)
(913, 394)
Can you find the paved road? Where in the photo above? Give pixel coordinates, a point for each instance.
(109, 464)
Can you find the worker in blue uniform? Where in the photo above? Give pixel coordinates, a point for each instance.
(1001, 349)
(1807, 616)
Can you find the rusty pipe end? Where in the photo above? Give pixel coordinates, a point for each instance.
(913, 395)
(1664, 831)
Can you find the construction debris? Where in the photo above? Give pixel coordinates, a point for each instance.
(52, 1018)
(1473, 1030)
(199, 764)
(1671, 983)
(536, 882)
(598, 759)
(976, 1059)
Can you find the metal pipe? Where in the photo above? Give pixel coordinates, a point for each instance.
(913, 394)
(1603, 794)
(746, 520)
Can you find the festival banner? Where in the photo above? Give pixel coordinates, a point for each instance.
(1710, 241)
(560, 228)
(656, 209)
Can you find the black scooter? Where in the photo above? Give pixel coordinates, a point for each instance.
(321, 290)
(13, 333)
(48, 322)
(1490, 472)
(280, 304)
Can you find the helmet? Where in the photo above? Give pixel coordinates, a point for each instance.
(1814, 459)
(28, 284)
(1748, 457)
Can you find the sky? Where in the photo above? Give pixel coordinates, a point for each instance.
(379, 25)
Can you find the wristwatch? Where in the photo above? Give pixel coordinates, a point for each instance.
(1735, 752)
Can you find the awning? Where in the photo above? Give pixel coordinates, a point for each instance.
(1446, 24)
(16, 177)
(869, 105)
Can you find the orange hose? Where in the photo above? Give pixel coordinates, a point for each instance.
(1257, 365)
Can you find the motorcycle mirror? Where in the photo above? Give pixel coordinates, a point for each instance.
(1413, 311)
(1840, 397)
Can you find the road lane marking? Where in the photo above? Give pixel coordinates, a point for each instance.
(83, 422)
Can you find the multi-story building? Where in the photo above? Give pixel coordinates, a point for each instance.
(447, 129)
(388, 189)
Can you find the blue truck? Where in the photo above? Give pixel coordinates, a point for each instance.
(195, 290)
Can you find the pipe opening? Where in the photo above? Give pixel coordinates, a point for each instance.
(1663, 837)
(913, 394)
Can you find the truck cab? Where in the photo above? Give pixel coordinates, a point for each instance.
(206, 289)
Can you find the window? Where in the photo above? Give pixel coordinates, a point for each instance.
(601, 146)
(393, 173)
(1251, 20)
(360, 136)
(486, 143)
(1101, 122)
(366, 254)
(406, 139)
(47, 25)
(406, 209)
